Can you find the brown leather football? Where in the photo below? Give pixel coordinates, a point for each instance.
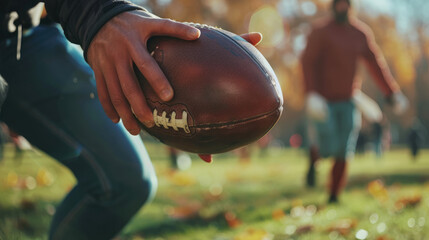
(226, 94)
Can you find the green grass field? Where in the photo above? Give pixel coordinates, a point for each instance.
(264, 199)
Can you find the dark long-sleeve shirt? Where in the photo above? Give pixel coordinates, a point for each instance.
(80, 19)
(330, 60)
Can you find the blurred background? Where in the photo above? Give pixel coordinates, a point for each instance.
(400, 27)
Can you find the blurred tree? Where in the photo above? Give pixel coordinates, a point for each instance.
(414, 15)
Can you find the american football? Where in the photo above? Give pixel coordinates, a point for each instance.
(226, 95)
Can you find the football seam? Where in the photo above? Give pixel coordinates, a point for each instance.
(191, 127)
(232, 123)
(248, 54)
(217, 30)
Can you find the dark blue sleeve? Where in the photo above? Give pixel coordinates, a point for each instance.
(81, 19)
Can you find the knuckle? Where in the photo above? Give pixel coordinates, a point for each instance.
(117, 101)
(104, 100)
(144, 62)
(131, 92)
(167, 23)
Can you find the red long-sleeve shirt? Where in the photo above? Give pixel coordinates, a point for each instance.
(330, 60)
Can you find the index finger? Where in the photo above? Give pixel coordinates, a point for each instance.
(152, 73)
(134, 94)
(147, 65)
(171, 28)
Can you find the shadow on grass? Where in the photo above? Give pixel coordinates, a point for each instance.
(19, 222)
(258, 209)
(173, 226)
(361, 181)
(258, 205)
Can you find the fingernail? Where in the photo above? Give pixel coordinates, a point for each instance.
(149, 124)
(260, 40)
(135, 131)
(194, 33)
(166, 94)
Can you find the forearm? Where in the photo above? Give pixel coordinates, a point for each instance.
(387, 84)
(382, 75)
(82, 19)
(378, 66)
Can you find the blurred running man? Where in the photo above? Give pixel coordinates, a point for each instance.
(329, 66)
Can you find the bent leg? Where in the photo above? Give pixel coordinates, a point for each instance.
(348, 126)
(64, 118)
(311, 173)
(338, 179)
(115, 176)
(323, 139)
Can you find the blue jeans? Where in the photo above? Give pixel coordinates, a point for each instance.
(337, 135)
(52, 101)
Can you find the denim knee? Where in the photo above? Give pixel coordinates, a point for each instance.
(138, 189)
(102, 214)
(131, 189)
(111, 182)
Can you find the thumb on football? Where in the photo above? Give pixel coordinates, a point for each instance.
(254, 38)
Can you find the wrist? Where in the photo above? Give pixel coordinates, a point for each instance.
(390, 99)
(112, 12)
